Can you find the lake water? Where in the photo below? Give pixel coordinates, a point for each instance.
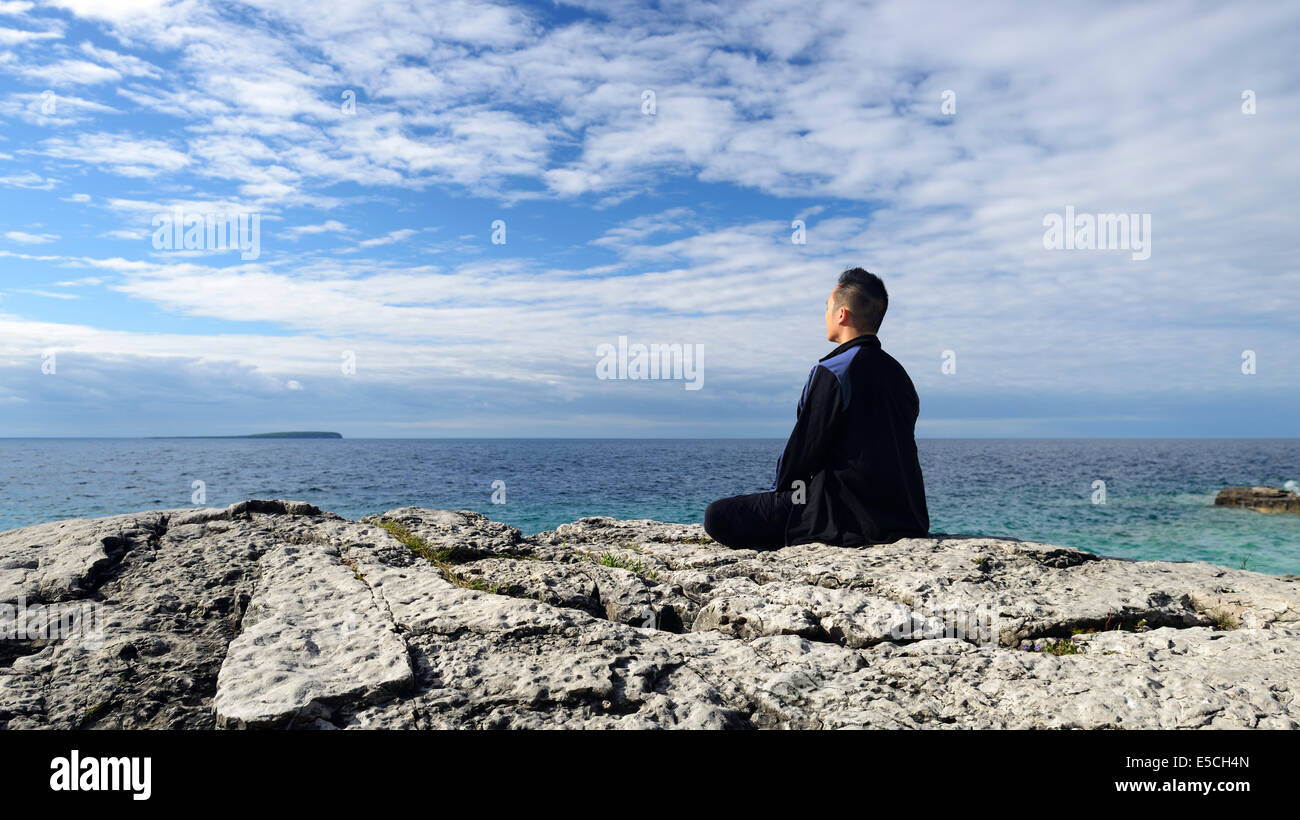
(1158, 502)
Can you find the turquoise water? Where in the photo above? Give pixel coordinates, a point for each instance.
(1159, 492)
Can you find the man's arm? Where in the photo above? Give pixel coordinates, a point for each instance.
(821, 409)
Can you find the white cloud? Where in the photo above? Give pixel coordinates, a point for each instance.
(124, 64)
(12, 255)
(72, 72)
(30, 238)
(48, 294)
(48, 108)
(11, 36)
(123, 12)
(29, 180)
(329, 226)
(118, 153)
(388, 238)
(637, 229)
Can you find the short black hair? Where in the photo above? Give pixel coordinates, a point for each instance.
(864, 295)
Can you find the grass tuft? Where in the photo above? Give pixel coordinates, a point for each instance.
(352, 565)
(1223, 619)
(609, 559)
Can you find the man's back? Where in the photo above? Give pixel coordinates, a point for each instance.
(854, 447)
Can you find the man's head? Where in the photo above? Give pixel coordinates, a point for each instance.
(856, 306)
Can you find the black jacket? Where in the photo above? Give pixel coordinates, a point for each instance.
(854, 448)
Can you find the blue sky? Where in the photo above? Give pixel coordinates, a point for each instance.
(668, 226)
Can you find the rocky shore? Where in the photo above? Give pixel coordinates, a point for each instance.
(1259, 499)
(276, 614)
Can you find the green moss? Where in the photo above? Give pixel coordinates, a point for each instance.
(1117, 626)
(444, 559)
(697, 539)
(95, 711)
(1066, 646)
(1053, 646)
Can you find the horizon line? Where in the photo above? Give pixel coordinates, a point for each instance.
(264, 437)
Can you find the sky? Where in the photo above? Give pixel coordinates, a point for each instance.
(450, 208)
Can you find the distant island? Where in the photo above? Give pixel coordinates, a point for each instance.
(303, 434)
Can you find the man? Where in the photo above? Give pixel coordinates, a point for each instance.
(849, 474)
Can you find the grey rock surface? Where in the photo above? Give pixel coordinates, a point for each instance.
(276, 614)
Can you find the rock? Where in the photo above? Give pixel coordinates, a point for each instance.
(70, 555)
(277, 614)
(1259, 499)
(312, 636)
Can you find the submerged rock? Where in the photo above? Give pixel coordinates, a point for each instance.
(276, 614)
(1259, 499)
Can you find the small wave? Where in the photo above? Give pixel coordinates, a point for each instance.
(1292, 486)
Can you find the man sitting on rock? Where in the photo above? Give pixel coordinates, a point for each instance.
(849, 474)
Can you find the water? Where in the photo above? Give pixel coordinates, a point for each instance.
(1159, 492)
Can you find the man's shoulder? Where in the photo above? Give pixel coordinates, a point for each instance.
(839, 363)
(870, 366)
(836, 369)
(866, 364)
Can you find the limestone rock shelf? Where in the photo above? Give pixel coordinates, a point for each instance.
(276, 614)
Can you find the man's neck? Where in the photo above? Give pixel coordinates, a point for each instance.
(849, 334)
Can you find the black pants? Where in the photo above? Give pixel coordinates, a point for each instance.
(755, 522)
